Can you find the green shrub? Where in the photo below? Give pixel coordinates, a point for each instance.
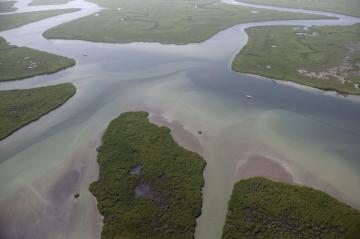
(164, 198)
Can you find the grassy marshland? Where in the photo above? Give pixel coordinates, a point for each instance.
(22, 62)
(168, 22)
(149, 187)
(348, 7)
(48, 2)
(260, 208)
(326, 57)
(21, 107)
(14, 20)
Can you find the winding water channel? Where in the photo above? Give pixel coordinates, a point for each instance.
(314, 135)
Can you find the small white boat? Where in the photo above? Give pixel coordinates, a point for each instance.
(248, 96)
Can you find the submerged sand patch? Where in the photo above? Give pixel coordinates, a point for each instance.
(181, 136)
(258, 165)
(47, 208)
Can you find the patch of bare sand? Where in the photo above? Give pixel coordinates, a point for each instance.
(257, 165)
(182, 136)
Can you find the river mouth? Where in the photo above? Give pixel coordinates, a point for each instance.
(312, 137)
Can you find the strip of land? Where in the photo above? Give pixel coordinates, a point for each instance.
(7, 6)
(167, 22)
(261, 208)
(14, 20)
(23, 62)
(347, 7)
(21, 107)
(48, 2)
(322, 57)
(149, 187)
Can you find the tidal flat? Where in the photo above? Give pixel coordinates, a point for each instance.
(313, 136)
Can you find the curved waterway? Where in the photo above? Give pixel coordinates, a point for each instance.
(286, 131)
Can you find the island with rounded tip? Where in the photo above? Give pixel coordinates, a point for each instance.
(149, 186)
(261, 208)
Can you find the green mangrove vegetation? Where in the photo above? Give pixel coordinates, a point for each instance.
(14, 20)
(168, 22)
(260, 208)
(21, 107)
(22, 62)
(7, 6)
(348, 7)
(149, 187)
(326, 57)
